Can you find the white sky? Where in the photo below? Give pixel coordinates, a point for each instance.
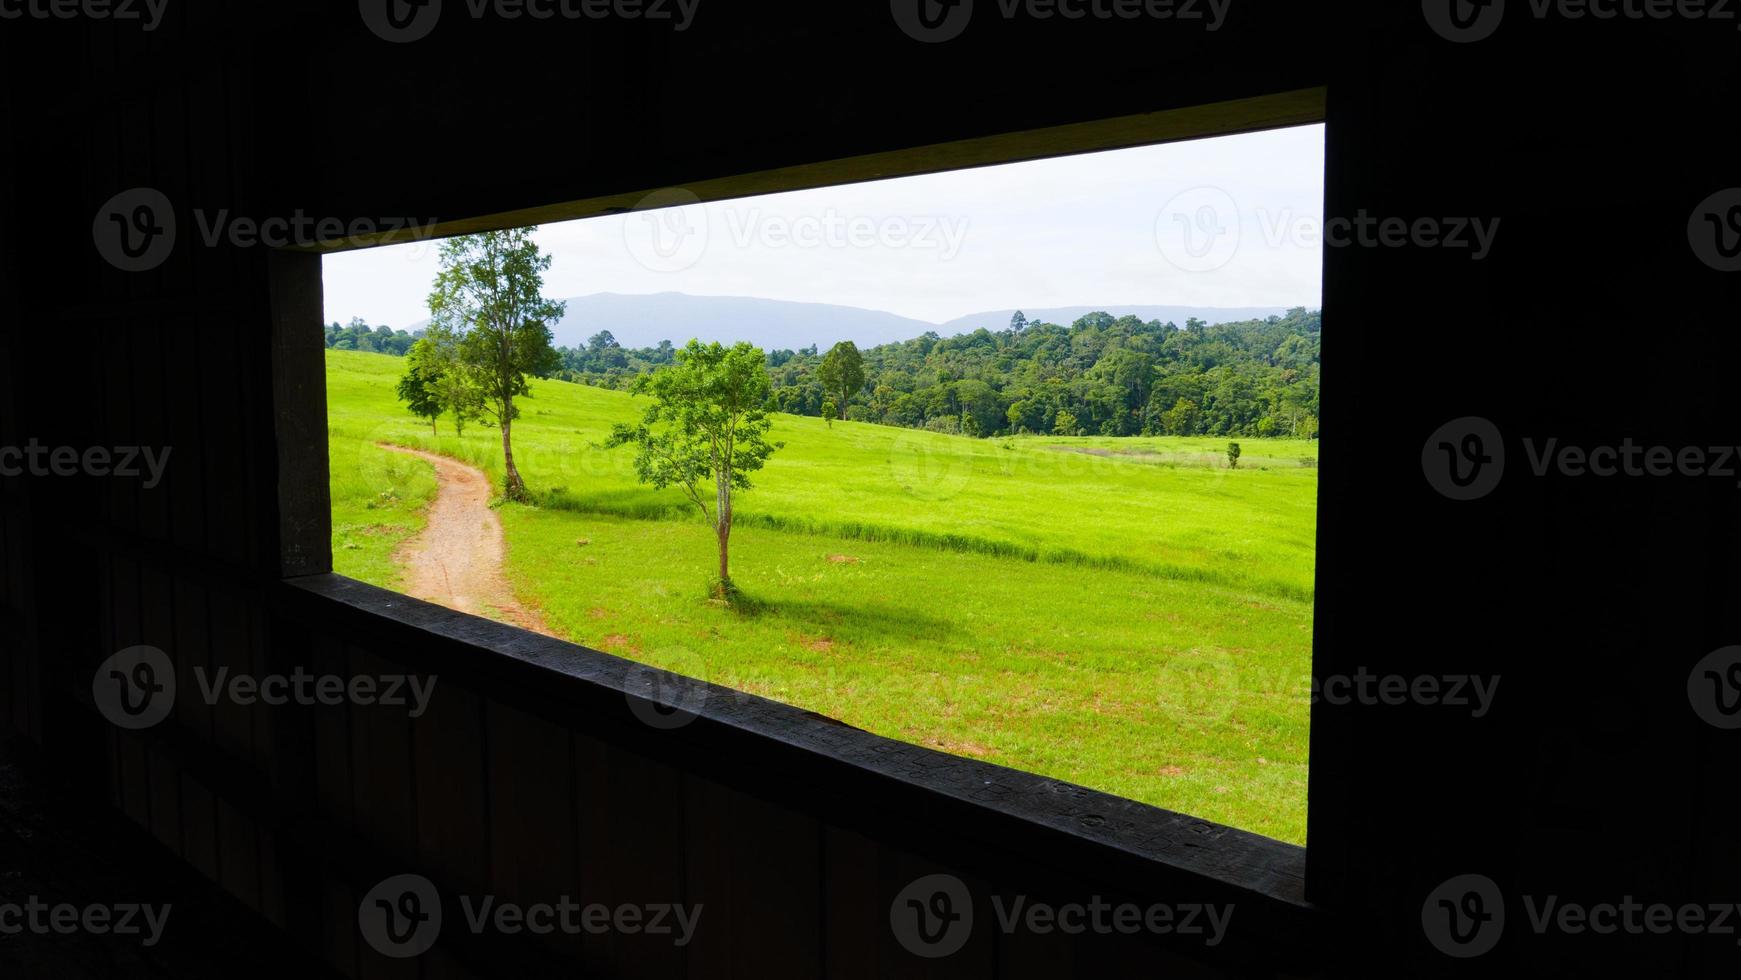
(1088, 230)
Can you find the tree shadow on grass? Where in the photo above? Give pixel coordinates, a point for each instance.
(845, 621)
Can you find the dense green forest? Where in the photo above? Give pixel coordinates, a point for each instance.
(1098, 376)
(358, 335)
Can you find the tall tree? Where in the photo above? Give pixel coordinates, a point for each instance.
(489, 295)
(842, 373)
(706, 425)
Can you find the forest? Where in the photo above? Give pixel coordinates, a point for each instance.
(1098, 376)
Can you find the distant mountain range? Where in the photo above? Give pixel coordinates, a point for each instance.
(644, 320)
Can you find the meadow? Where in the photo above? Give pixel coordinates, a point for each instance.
(1127, 614)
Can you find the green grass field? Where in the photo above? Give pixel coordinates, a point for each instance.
(1127, 614)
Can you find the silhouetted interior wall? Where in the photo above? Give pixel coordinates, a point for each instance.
(1591, 321)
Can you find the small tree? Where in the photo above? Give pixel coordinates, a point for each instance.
(828, 411)
(1065, 425)
(420, 388)
(706, 425)
(488, 296)
(459, 394)
(842, 373)
(1233, 455)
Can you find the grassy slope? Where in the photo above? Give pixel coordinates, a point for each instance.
(1125, 614)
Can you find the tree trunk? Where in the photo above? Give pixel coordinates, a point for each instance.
(512, 486)
(722, 527)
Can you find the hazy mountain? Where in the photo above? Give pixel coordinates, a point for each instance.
(1066, 315)
(643, 321)
(772, 324)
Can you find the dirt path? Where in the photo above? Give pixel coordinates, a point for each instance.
(457, 560)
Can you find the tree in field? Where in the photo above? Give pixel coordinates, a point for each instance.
(489, 297)
(828, 411)
(706, 425)
(1065, 425)
(842, 373)
(454, 386)
(1233, 456)
(420, 387)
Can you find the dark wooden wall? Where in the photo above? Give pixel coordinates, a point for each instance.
(1591, 140)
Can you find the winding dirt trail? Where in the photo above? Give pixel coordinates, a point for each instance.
(457, 560)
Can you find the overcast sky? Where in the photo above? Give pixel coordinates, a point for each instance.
(1218, 222)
